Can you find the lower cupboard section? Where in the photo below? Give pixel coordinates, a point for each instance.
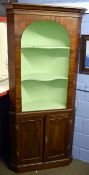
(39, 140)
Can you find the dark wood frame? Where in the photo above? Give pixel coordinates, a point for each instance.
(83, 69)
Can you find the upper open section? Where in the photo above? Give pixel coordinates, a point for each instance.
(45, 53)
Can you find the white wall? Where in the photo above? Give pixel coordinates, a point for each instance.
(75, 3)
(3, 51)
(81, 134)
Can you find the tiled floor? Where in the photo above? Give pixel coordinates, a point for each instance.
(75, 168)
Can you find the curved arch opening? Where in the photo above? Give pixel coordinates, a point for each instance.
(45, 33)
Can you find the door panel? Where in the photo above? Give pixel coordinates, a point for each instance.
(31, 141)
(56, 136)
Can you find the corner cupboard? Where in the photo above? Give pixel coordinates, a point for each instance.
(43, 43)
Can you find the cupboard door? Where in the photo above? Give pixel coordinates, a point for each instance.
(57, 137)
(31, 141)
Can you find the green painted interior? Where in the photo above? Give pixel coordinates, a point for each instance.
(45, 51)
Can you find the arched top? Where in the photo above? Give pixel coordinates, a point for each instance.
(45, 34)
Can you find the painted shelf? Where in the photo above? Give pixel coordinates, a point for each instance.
(43, 47)
(37, 105)
(42, 77)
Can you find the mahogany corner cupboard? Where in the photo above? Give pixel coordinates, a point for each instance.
(43, 43)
